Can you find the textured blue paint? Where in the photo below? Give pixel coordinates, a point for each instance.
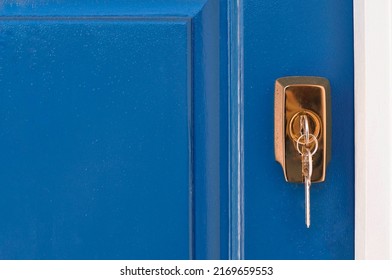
(282, 38)
(95, 140)
(210, 131)
(101, 7)
(113, 125)
(236, 131)
(114, 129)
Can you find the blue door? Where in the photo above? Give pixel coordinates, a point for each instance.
(297, 38)
(116, 129)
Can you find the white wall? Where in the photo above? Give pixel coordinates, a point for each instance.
(373, 128)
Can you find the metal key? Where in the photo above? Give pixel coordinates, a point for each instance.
(307, 169)
(303, 131)
(307, 161)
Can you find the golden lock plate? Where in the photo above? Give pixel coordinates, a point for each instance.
(296, 96)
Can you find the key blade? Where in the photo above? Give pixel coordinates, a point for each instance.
(307, 202)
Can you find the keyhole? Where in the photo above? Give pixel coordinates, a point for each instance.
(314, 121)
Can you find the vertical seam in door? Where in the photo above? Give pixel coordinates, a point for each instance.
(236, 130)
(191, 143)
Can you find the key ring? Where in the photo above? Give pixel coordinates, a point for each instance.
(314, 139)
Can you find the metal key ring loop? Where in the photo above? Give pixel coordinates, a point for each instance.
(314, 140)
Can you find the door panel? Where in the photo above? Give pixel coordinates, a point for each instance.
(111, 124)
(81, 116)
(308, 38)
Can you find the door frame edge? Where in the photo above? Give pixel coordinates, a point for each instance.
(373, 128)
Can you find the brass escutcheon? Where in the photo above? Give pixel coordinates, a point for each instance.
(295, 97)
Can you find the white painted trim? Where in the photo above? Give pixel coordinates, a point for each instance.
(373, 128)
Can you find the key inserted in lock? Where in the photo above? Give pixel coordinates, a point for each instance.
(303, 130)
(294, 97)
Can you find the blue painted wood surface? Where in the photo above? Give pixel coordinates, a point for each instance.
(288, 38)
(210, 131)
(149, 8)
(94, 120)
(113, 130)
